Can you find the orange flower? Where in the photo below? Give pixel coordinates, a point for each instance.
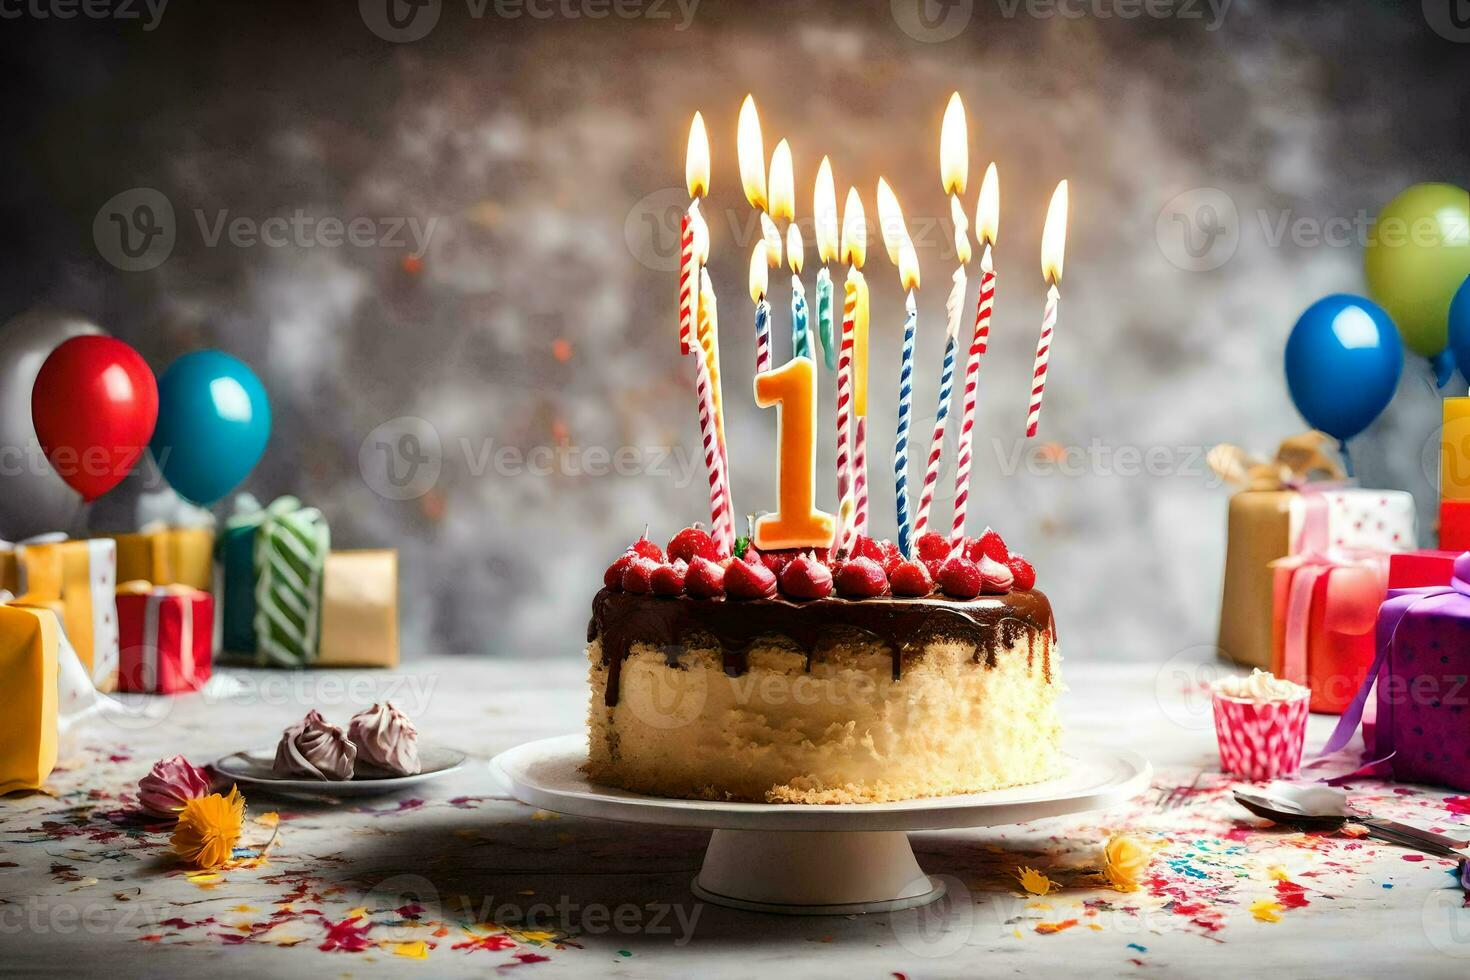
(208, 829)
(1125, 860)
(1034, 882)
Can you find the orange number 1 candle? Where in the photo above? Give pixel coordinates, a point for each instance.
(797, 523)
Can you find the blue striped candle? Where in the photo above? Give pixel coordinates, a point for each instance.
(901, 444)
(824, 319)
(801, 335)
(762, 336)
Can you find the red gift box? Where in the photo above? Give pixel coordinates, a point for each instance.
(1417, 569)
(166, 635)
(1454, 525)
(1324, 615)
(1324, 611)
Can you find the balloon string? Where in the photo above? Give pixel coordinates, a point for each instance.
(79, 518)
(1347, 459)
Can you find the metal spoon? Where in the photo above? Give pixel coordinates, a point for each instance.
(1324, 807)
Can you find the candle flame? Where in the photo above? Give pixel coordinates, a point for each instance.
(854, 230)
(908, 264)
(890, 220)
(795, 250)
(987, 211)
(696, 159)
(782, 186)
(772, 238)
(824, 213)
(961, 229)
(752, 153)
(954, 147)
(759, 280)
(1054, 236)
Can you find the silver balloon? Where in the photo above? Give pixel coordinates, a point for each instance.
(33, 499)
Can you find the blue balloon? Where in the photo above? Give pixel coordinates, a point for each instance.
(213, 423)
(1460, 327)
(1342, 364)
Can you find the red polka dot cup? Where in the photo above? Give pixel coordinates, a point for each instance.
(1261, 740)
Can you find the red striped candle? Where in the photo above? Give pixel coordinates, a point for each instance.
(979, 340)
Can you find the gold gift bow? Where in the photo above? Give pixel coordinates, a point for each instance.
(1296, 458)
(139, 586)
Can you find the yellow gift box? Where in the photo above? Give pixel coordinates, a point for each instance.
(1454, 450)
(167, 556)
(359, 609)
(28, 679)
(1259, 532)
(80, 575)
(1265, 524)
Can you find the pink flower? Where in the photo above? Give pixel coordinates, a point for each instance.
(169, 785)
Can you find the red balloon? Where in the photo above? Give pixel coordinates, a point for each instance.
(95, 403)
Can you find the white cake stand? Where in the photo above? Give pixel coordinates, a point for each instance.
(815, 860)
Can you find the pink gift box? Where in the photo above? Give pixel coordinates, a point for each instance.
(1260, 740)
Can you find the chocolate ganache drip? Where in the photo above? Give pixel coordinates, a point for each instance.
(903, 625)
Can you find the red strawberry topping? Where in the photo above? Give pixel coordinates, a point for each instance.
(990, 545)
(911, 578)
(806, 578)
(995, 578)
(705, 579)
(647, 548)
(690, 542)
(669, 579)
(746, 580)
(932, 546)
(866, 547)
(862, 578)
(960, 578)
(1023, 571)
(613, 577)
(778, 560)
(638, 577)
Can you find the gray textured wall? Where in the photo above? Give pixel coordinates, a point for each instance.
(542, 158)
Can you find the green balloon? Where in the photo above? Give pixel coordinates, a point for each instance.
(1417, 256)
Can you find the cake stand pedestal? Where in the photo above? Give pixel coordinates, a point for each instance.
(816, 860)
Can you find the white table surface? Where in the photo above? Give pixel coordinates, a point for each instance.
(81, 894)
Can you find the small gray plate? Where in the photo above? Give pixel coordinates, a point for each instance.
(255, 768)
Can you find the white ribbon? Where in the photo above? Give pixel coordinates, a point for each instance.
(188, 666)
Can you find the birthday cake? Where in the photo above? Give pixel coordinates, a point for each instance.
(808, 662)
(800, 678)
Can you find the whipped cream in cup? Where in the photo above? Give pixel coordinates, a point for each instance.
(1260, 725)
(1260, 687)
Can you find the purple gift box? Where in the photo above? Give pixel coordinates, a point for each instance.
(1421, 676)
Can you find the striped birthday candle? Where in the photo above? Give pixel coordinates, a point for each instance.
(901, 441)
